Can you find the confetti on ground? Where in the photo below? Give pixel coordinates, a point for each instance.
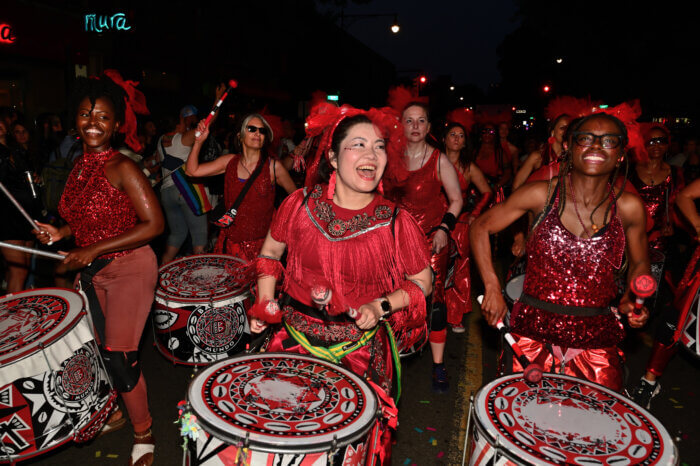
(98, 453)
(440, 454)
(674, 401)
(420, 431)
(676, 388)
(432, 429)
(435, 443)
(408, 461)
(425, 402)
(431, 440)
(678, 406)
(112, 455)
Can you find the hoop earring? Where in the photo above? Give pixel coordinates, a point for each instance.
(331, 187)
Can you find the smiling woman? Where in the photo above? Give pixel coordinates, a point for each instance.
(113, 213)
(584, 225)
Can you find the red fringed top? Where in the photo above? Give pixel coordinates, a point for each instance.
(255, 212)
(359, 254)
(567, 270)
(94, 209)
(422, 194)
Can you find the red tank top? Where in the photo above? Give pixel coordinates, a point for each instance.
(422, 194)
(255, 212)
(94, 209)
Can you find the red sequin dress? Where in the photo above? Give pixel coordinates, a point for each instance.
(94, 209)
(568, 271)
(658, 201)
(458, 292)
(360, 255)
(421, 195)
(245, 237)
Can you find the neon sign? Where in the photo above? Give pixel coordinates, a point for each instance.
(7, 35)
(99, 23)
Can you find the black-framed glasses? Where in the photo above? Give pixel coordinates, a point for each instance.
(256, 129)
(608, 141)
(658, 141)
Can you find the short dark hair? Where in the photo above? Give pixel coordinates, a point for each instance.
(340, 133)
(95, 89)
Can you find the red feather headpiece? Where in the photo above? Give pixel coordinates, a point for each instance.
(484, 117)
(135, 102)
(627, 113)
(463, 116)
(400, 96)
(325, 118)
(567, 105)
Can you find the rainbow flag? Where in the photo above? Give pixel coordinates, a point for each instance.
(195, 194)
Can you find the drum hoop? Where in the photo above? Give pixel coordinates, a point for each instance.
(524, 457)
(502, 452)
(69, 326)
(259, 442)
(181, 301)
(221, 301)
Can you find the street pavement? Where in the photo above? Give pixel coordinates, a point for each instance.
(431, 426)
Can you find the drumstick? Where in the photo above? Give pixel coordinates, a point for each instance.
(532, 372)
(321, 296)
(19, 207)
(38, 252)
(643, 286)
(232, 84)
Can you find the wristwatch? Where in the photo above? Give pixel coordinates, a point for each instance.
(386, 305)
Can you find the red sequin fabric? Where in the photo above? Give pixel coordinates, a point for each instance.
(94, 209)
(658, 201)
(422, 194)
(255, 212)
(571, 271)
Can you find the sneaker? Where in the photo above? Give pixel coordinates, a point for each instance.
(440, 383)
(643, 393)
(458, 328)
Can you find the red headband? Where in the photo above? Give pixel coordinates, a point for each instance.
(135, 102)
(463, 116)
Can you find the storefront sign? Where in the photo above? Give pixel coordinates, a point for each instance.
(7, 35)
(100, 23)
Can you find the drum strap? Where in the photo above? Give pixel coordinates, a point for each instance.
(86, 276)
(561, 309)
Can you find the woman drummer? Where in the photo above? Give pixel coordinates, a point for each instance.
(245, 236)
(585, 225)
(113, 213)
(348, 248)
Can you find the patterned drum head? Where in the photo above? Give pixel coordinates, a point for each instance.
(35, 318)
(282, 402)
(562, 419)
(202, 278)
(690, 334)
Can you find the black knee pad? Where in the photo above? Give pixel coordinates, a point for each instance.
(438, 317)
(123, 368)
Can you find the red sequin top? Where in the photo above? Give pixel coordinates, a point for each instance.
(421, 195)
(565, 269)
(255, 212)
(358, 254)
(490, 165)
(94, 209)
(658, 200)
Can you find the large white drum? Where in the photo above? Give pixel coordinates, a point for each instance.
(563, 420)
(200, 313)
(281, 408)
(53, 385)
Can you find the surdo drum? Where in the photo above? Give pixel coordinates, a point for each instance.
(689, 328)
(53, 385)
(200, 311)
(563, 420)
(281, 408)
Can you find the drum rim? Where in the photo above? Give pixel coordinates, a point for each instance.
(22, 354)
(669, 443)
(505, 288)
(170, 298)
(268, 447)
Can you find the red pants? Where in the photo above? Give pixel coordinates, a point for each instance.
(600, 365)
(458, 296)
(125, 289)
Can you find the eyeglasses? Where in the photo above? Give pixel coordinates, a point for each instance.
(663, 140)
(256, 129)
(608, 141)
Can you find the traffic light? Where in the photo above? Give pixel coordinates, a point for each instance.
(423, 79)
(546, 88)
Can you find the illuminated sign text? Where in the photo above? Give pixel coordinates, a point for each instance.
(99, 23)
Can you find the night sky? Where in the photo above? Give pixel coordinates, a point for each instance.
(457, 38)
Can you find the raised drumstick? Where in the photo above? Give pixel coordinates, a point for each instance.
(643, 286)
(19, 207)
(232, 84)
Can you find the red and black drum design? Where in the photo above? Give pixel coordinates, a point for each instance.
(563, 420)
(53, 385)
(689, 328)
(281, 408)
(200, 312)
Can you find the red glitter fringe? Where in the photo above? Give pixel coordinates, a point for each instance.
(265, 266)
(260, 311)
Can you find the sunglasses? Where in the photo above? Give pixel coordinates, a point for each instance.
(663, 140)
(256, 129)
(608, 141)
(488, 131)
